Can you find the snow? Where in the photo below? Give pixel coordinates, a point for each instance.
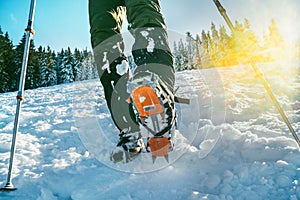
(232, 144)
(122, 68)
(151, 45)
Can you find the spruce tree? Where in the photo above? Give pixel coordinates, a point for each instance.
(191, 52)
(8, 75)
(59, 66)
(46, 61)
(204, 40)
(182, 59)
(64, 66)
(67, 72)
(214, 44)
(89, 68)
(19, 51)
(33, 74)
(225, 48)
(50, 74)
(41, 53)
(274, 43)
(77, 64)
(176, 56)
(34, 79)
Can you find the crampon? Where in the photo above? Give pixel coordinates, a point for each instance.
(154, 107)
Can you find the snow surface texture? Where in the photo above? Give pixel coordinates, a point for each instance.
(239, 148)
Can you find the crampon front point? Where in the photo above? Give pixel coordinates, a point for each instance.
(159, 147)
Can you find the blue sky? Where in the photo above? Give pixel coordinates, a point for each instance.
(63, 23)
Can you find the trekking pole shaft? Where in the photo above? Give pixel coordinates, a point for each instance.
(261, 77)
(276, 103)
(13, 145)
(29, 33)
(224, 15)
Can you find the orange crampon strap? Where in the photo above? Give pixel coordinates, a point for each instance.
(146, 101)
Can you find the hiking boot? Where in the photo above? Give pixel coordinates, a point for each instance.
(129, 147)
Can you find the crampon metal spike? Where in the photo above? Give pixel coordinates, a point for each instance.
(167, 157)
(153, 159)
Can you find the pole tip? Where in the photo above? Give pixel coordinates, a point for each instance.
(8, 187)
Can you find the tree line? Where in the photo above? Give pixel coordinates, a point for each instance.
(217, 48)
(45, 67)
(214, 48)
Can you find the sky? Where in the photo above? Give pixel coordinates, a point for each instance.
(64, 23)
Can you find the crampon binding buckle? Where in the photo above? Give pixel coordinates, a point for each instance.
(146, 102)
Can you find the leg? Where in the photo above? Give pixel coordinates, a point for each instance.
(151, 50)
(106, 18)
(152, 54)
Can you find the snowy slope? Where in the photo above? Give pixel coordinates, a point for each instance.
(239, 148)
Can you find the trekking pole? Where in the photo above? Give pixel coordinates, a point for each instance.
(260, 76)
(29, 32)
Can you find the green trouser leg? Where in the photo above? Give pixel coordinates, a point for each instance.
(150, 50)
(106, 19)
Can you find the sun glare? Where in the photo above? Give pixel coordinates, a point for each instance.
(284, 13)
